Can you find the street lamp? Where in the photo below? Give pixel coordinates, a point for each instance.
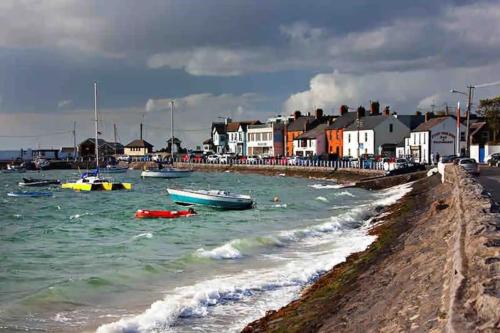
(469, 100)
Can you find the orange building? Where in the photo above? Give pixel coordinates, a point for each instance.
(335, 132)
(299, 125)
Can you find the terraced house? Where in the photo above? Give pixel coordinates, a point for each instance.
(300, 124)
(335, 132)
(237, 136)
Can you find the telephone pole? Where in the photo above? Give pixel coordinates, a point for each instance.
(74, 140)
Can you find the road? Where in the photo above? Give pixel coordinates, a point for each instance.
(490, 179)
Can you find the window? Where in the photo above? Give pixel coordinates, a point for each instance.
(391, 128)
(423, 138)
(349, 139)
(337, 134)
(348, 151)
(366, 137)
(418, 139)
(462, 136)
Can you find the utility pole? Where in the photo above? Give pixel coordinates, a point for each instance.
(114, 134)
(172, 128)
(74, 140)
(469, 102)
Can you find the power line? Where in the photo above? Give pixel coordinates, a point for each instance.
(487, 84)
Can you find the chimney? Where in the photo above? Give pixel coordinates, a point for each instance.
(374, 108)
(141, 132)
(296, 115)
(387, 111)
(319, 113)
(418, 113)
(428, 116)
(343, 109)
(227, 120)
(361, 112)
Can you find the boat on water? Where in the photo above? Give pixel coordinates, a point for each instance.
(166, 173)
(14, 169)
(33, 182)
(92, 181)
(113, 169)
(29, 194)
(165, 214)
(41, 163)
(212, 198)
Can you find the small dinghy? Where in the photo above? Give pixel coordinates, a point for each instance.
(39, 182)
(14, 169)
(29, 194)
(113, 169)
(165, 214)
(212, 198)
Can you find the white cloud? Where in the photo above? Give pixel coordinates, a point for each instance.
(402, 90)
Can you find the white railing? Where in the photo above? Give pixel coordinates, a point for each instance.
(338, 164)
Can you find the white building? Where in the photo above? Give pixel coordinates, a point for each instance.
(219, 137)
(377, 135)
(265, 139)
(237, 136)
(435, 136)
(312, 142)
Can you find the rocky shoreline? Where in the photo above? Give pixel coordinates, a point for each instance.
(430, 269)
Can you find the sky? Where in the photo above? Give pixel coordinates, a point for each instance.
(240, 59)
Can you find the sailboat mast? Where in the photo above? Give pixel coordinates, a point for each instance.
(172, 128)
(96, 125)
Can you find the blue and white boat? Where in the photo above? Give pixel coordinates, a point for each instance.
(113, 169)
(167, 173)
(211, 198)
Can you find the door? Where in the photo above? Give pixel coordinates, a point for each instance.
(481, 154)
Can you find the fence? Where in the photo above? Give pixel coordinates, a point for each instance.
(365, 164)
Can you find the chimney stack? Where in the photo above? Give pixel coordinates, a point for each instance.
(418, 113)
(296, 115)
(361, 112)
(374, 108)
(343, 109)
(387, 111)
(319, 113)
(428, 116)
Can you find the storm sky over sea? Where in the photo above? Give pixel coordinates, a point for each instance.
(243, 59)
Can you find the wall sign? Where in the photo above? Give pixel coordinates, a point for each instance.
(443, 138)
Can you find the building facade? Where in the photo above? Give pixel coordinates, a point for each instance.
(265, 140)
(237, 136)
(335, 133)
(138, 148)
(374, 135)
(219, 137)
(311, 143)
(435, 136)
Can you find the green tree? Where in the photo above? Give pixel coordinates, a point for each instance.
(490, 109)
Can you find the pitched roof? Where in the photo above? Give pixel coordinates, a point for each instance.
(367, 123)
(235, 125)
(299, 123)
(220, 127)
(426, 126)
(313, 133)
(138, 143)
(411, 121)
(343, 121)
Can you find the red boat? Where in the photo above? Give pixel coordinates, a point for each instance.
(166, 214)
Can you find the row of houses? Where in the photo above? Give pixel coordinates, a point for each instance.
(348, 134)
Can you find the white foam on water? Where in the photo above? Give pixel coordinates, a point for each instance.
(320, 198)
(345, 193)
(145, 234)
(280, 206)
(226, 251)
(247, 295)
(328, 186)
(77, 216)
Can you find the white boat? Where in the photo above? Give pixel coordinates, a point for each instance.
(41, 163)
(14, 169)
(113, 169)
(167, 173)
(211, 198)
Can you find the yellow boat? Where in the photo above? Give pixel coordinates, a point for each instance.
(93, 183)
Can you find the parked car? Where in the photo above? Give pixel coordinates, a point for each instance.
(470, 165)
(494, 160)
(490, 157)
(252, 159)
(213, 158)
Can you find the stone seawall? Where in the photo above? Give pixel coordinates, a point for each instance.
(435, 267)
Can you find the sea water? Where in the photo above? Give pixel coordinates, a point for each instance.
(80, 261)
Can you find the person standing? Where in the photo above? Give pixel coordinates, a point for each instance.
(437, 158)
(432, 159)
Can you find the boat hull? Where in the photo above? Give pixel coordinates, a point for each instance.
(29, 194)
(166, 173)
(97, 187)
(165, 214)
(192, 198)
